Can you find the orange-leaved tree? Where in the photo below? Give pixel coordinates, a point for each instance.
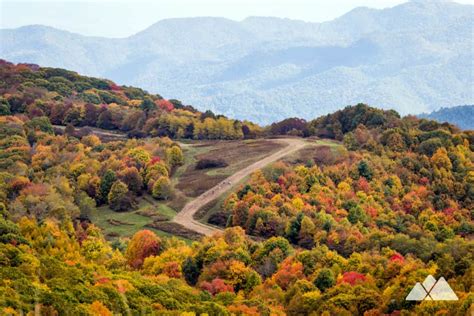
(143, 244)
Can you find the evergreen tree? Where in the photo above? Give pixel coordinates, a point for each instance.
(106, 183)
(293, 228)
(364, 170)
(324, 280)
(191, 270)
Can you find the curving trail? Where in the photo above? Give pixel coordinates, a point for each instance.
(185, 217)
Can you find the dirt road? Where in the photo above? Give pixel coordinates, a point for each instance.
(185, 217)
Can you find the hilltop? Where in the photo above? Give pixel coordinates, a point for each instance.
(68, 98)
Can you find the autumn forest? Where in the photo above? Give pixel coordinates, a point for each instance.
(92, 174)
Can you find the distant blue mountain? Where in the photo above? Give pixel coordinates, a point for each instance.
(411, 57)
(461, 116)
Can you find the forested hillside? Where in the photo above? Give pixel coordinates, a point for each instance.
(347, 228)
(402, 178)
(402, 187)
(68, 98)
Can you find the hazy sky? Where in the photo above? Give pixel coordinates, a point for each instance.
(122, 18)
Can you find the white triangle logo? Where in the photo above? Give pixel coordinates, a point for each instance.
(432, 290)
(418, 293)
(429, 282)
(441, 291)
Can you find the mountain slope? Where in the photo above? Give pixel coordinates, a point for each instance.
(412, 57)
(459, 115)
(68, 98)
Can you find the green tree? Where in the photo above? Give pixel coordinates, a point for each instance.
(106, 183)
(293, 228)
(325, 280)
(174, 156)
(162, 188)
(350, 141)
(41, 123)
(191, 270)
(365, 170)
(429, 147)
(4, 107)
(147, 105)
(356, 214)
(117, 196)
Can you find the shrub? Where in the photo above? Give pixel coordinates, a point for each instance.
(219, 219)
(210, 163)
(162, 189)
(119, 198)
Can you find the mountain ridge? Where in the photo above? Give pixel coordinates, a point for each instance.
(460, 116)
(295, 68)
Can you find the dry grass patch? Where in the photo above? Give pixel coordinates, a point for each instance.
(176, 230)
(236, 154)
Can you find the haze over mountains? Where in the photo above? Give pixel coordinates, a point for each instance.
(415, 57)
(462, 116)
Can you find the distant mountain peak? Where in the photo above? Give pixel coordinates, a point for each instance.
(411, 57)
(431, 1)
(39, 27)
(458, 115)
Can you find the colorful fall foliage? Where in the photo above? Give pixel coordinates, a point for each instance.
(346, 229)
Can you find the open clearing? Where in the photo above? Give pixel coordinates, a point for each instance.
(125, 224)
(200, 193)
(186, 216)
(309, 154)
(189, 182)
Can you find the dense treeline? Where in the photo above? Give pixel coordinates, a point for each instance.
(47, 175)
(346, 121)
(337, 124)
(67, 98)
(60, 268)
(362, 195)
(404, 186)
(418, 174)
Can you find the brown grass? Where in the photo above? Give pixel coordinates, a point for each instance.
(312, 153)
(206, 209)
(237, 154)
(176, 229)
